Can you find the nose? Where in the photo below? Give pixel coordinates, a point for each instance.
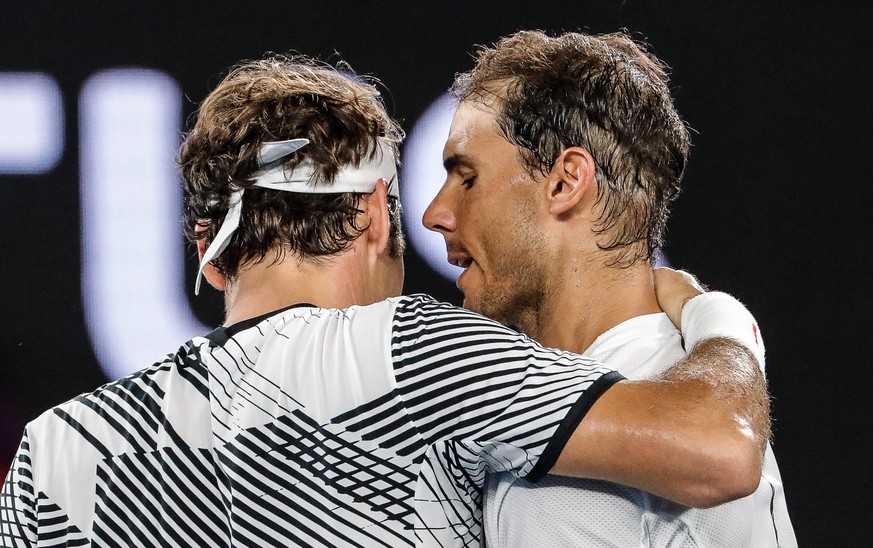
(439, 215)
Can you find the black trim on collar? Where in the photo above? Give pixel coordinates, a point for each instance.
(221, 335)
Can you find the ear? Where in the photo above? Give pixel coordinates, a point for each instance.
(377, 210)
(212, 275)
(570, 179)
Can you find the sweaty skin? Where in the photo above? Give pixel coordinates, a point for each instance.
(529, 246)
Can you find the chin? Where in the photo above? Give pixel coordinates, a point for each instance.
(471, 304)
(508, 308)
(485, 309)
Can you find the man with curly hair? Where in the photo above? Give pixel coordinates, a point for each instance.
(563, 157)
(328, 410)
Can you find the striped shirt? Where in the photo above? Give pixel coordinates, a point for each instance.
(367, 426)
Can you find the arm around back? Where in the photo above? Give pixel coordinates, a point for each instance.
(698, 434)
(690, 437)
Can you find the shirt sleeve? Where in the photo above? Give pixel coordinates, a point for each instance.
(498, 400)
(18, 519)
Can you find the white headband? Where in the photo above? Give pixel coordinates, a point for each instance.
(273, 175)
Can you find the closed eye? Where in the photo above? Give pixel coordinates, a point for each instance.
(459, 165)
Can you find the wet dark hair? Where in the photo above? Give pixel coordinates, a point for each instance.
(604, 93)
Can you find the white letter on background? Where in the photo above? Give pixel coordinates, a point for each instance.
(132, 251)
(422, 175)
(31, 123)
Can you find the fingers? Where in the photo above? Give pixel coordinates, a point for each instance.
(674, 288)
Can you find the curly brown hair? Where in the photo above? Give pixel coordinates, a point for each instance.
(273, 99)
(607, 94)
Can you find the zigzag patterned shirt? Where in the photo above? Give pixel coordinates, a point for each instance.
(368, 426)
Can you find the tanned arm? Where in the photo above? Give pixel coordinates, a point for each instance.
(696, 436)
(730, 369)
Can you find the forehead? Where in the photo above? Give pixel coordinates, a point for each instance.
(474, 127)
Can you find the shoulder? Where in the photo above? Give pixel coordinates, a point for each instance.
(398, 317)
(423, 311)
(640, 347)
(102, 418)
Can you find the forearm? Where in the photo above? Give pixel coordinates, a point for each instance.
(679, 439)
(734, 379)
(732, 361)
(698, 437)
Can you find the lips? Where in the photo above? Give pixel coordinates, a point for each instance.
(460, 259)
(463, 260)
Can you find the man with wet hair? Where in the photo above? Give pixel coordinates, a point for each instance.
(327, 410)
(563, 157)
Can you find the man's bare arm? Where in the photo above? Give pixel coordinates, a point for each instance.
(733, 375)
(738, 375)
(696, 436)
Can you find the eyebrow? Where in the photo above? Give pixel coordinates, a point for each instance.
(457, 160)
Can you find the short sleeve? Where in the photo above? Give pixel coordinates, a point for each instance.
(18, 517)
(505, 401)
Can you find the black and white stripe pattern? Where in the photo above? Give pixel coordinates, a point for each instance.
(18, 508)
(485, 398)
(165, 497)
(372, 426)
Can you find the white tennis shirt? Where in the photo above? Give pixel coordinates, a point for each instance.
(368, 426)
(563, 512)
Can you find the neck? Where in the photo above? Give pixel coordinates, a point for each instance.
(264, 287)
(586, 302)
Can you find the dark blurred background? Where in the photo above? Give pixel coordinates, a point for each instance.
(774, 211)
